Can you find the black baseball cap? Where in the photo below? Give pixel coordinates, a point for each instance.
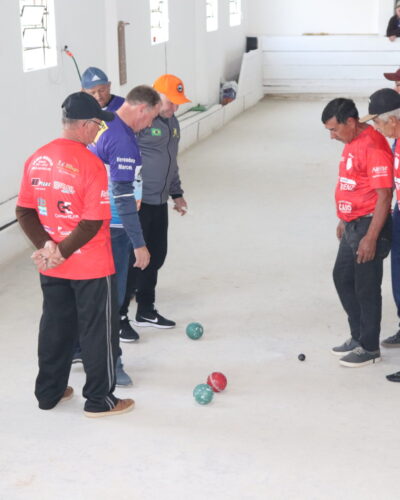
(83, 106)
(381, 101)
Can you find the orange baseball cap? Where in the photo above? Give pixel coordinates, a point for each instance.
(172, 87)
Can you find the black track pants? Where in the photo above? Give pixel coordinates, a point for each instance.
(84, 310)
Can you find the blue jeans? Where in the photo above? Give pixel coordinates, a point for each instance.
(359, 285)
(122, 250)
(395, 257)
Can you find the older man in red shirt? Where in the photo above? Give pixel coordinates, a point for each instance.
(64, 208)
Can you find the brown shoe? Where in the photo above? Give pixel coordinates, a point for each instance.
(68, 393)
(123, 406)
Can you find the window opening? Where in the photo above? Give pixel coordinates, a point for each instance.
(159, 21)
(38, 34)
(212, 15)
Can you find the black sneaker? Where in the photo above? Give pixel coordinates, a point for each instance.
(393, 341)
(152, 318)
(126, 332)
(360, 357)
(394, 377)
(345, 348)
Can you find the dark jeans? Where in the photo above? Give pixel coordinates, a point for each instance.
(84, 310)
(395, 257)
(122, 250)
(359, 285)
(154, 222)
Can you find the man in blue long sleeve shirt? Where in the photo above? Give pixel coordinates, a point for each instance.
(117, 147)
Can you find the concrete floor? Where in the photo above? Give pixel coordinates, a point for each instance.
(251, 261)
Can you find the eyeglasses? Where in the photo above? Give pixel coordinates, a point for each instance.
(99, 124)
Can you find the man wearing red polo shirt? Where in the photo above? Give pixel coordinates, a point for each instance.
(64, 208)
(363, 196)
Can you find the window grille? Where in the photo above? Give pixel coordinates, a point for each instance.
(235, 12)
(38, 34)
(212, 15)
(159, 21)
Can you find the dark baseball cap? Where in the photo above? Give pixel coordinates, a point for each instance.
(83, 106)
(381, 101)
(393, 77)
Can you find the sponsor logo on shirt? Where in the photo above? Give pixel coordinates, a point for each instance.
(349, 162)
(105, 198)
(344, 206)
(125, 167)
(67, 168)
(65, 210)
(63, 207)
(175, 133)
(61, 231)
(379, 172)
(396, 161)
(156, 132)
(42, 206)
(347, 184)
(39, 184)
(48, 229)
(64, 188)
(42, 163)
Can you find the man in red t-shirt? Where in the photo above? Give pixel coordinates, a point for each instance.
(363, 196)
(384, 109)
(64, 208)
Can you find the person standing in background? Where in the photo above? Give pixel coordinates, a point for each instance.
(393, 28)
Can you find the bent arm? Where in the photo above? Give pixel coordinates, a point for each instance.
(367, 247)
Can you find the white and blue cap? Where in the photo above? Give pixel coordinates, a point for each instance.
(92, 77)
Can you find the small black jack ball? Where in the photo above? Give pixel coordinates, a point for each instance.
(301, 357)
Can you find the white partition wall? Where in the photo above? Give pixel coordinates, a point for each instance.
(324, 46)
(323, 64)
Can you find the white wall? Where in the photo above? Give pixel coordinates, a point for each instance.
(293, 17)
(31, 101)
(324, 46)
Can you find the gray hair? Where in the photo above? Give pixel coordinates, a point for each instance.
(385, 116)
(70, 122)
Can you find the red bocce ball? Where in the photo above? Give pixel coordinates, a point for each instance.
(217, 381)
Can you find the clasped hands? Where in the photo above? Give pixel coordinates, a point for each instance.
(47, 257)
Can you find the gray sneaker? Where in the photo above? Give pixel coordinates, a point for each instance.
(360, 357)
(393, 341)
(123, 379)
(345, 348)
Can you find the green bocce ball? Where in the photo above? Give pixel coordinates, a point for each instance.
(203, 394)
(194, 330)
